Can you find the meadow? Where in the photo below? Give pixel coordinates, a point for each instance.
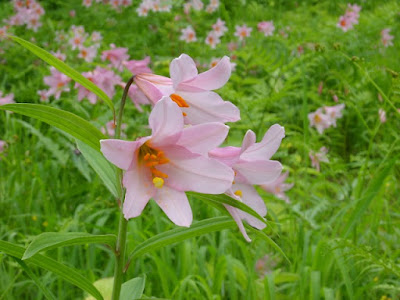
(327, 71)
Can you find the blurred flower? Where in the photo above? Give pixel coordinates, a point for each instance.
(87, 3)
(3, 146)
(265, 265)
(72, 13)
(334, 112)
(350, 18)
(191, 91)
(219, 28)
(242, 32)
(317, 157)
(252, 165)
(212, 39)
(88, 53)
(266, 27)
(116, 56)
(58, 83)
(166, 164)
(6, 99)
(319, 120)
(278, 187)
(138, 66)
(188, 35)
(387, 37)
(382, 115)
(43, 95)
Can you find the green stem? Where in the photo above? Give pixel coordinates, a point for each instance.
(123, 223)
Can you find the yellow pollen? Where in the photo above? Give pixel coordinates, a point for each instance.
(158, 182)
(317, 119)
(179, 100)
(238, 193)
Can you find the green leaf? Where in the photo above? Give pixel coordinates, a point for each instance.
(133, 289)
(225, 199)
(370, 193)
(269, 241)
(67, 273)
(51, 240)
(64, 68)
(48, 295)
(106, 171)
(180, 234)
(64, 120)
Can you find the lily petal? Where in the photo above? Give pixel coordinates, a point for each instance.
(267, 147)
(175, 205)
(227, 155)
(212, 79)
(139, 190)
(203, 137)
(248, 140)
(188, 171)
(205, 107)
(236, 216)
(120, 153)
(258, 171)
(166, 122)
(181, 69)
(154, 86)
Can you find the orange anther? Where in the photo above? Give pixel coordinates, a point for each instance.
(163, 161)
(179, 100)
(153, 156)
(147, 156)
(184, 114)
(151, 163)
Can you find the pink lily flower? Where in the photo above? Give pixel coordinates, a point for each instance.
(169, 162)
(7, 99)
(334, 112)
(88, 53)
(278, 187)
(191, 91)
(319, 120)
(116, 56)
(387, 38)
(138, 66)
(267, 28)
(3, 146)
(44, 95)
(252, 165)
(242, 32)
(212, 39)
(188, 34)
(219, 28)
(58, 83)
(317, 157)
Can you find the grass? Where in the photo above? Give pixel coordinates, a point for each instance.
(340, 231)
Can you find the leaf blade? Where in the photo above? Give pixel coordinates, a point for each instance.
(64, 120)
(69, 274)
(51, 240)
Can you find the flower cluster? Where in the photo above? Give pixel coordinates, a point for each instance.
(153, 5)
(182, 154)
(114, 3)
(350, 18)
(325, 117)
(218, 30)
(387, 38)
(27, 13)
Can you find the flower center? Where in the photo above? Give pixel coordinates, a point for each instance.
(317, 119)
(152, 158)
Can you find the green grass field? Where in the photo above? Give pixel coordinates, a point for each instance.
(339, 235)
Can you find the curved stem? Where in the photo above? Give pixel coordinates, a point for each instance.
(123, 223)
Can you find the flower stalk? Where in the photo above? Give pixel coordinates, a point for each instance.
(123, 223)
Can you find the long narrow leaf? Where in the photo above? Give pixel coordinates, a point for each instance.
(64, 120)
(106, 171)
(180, 234)
(67, 273)
(64, 68)
(225, 199)
(36, 280)
(51, 240)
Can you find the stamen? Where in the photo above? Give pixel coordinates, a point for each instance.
(179, 100)
(238, 193)
(158, 182)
